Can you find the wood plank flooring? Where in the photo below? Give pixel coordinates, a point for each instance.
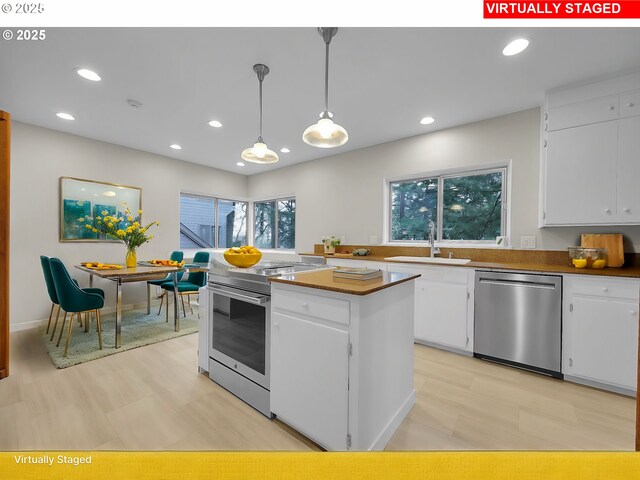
(152, 398)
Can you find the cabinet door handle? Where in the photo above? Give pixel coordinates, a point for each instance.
(633, 312)
(630, 104)
(611, 107)
(605, 289)
(305, 305)
(607, 210)
(625, 210)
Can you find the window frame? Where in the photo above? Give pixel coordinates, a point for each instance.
(215, 199)
(505, 214)
(275, 235)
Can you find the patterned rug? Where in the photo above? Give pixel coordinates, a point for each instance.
(138, 330)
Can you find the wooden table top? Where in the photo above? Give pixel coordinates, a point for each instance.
(324, 280)
(142, 271)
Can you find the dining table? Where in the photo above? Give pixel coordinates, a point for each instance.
(141, 273)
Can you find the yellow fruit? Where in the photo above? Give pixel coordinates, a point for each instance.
(598, 264)
(579, 262)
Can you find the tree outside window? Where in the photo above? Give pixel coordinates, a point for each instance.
(275, 224)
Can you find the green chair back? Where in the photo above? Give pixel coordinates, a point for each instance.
(71, 297)
(48, 279)
(199, 278)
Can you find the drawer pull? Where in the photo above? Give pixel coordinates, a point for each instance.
(625, 210)
(605, 289)
(611, 107)
(607, 210)
(630, 104)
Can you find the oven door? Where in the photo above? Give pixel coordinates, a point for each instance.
(240, 331)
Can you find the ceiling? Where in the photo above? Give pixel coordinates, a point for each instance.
(382, 82)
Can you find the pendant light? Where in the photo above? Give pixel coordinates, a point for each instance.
(326, 133)
(259, 153)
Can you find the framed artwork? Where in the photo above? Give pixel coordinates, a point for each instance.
(82, 201)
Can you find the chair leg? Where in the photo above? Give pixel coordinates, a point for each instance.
(166, 308)
(50, 316)
(148, 298)
(66, 347)
(99, 328)
(189, 300)
(62, 327)
(55, 324)
(184, 312)
(80, 320)
(161, 301)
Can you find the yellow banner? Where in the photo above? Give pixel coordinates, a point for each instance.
(325, 466)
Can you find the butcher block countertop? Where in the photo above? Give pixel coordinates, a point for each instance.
(324, 280)
(521, 260)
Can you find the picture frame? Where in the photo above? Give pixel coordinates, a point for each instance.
(89, 199)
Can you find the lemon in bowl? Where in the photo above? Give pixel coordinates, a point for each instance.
(243, 257)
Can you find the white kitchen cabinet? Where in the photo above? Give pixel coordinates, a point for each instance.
(600, 332)
(443, 306)
(342, 364)
(629, 170)
(310, 373)
(589, 155)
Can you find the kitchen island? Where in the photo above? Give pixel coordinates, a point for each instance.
(342, 357)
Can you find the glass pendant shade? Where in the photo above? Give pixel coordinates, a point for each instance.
(259, 153)
(325, 134)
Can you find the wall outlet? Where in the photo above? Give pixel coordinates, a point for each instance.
(527, 242)
(373, 239)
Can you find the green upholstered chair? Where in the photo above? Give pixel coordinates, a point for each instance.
(74, 300)
(176, 256)
(188, 287)
(51, 290)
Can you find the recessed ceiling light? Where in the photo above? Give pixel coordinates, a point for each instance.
(215, 124)
(88, 74)
(240, 164)
(285, 150)
(515, 47)
(427, 120)
(175, 146)
(65, 116)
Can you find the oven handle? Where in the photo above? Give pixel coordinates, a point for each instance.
(257, 300)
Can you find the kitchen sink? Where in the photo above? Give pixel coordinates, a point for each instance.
(434, 260)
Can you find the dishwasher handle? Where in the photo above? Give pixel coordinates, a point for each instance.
(517, 283)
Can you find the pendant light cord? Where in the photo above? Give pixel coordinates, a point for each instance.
(326, 80)
(260, 138)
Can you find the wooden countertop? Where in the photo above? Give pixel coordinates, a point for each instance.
(625, 271)
(324, 280)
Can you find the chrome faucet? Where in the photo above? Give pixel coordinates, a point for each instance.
(432, 240)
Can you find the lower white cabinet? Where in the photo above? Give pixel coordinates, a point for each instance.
(443, 306)
(600, 332)
(342, 365)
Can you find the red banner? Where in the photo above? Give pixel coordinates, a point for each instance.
(562, 9)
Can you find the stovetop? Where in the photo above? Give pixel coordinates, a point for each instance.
(258, 274)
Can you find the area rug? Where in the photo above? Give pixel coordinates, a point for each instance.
(138, 330)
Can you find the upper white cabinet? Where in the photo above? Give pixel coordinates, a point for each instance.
(589, 156)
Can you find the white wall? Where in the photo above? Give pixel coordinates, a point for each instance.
(343, 194)
(39, 157)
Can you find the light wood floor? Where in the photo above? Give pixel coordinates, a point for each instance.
(152, 398)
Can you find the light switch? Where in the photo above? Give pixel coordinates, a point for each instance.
(527, 242)
(373, 239)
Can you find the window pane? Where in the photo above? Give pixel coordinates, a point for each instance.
(232, 223)
(287, 223)
(265, 219)
(472, 207)
(196, 221)
(413, 205)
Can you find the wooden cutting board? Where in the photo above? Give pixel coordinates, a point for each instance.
(611, 241)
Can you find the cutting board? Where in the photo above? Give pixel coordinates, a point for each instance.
(611, 241)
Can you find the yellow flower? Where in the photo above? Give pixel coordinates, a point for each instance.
(98, 218)
(135, 227)
(129, 229)
(94, 230)
(104, 212)
(130, 218)
(142, 230)
(81, 219)
(139, 212)
(87, 225)
(136, 224)
(110, 225)
(120, 233)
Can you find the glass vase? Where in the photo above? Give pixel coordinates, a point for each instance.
(131, 259)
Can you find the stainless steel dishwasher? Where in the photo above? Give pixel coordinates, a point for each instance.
(518, 320)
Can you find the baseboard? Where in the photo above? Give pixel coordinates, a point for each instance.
(17, 327)
(392, 425)
(439, 346)
(629, 392)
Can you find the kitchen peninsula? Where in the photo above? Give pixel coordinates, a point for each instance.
(342, 356)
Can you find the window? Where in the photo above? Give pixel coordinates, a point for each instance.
(209, 222)
(465, 206)
(275, 224)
